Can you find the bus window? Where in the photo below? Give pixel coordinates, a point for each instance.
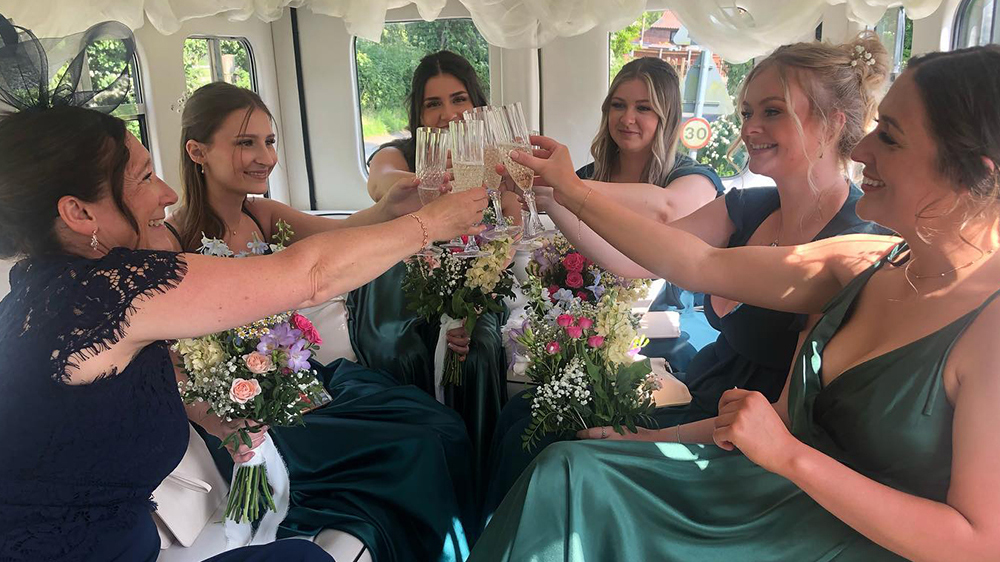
(709, 84)
(385, 69)
(895, 30)
(218, 59)
(976, 24)
(103, 64)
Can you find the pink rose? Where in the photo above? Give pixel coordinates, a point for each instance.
(574, 262)
(244, 390)
(258, 363)
(564, 320)
(308, 330)
(595, 341)
(585, 323)
(574, 331)
(574, 279)
(582, 295)
(552, 347)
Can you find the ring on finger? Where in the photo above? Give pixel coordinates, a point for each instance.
(604, 433)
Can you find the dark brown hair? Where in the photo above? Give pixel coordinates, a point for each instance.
(204, 112)
(960, 91)
(49, 154)
(435, 64)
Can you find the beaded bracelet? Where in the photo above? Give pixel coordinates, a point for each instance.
(423, 229)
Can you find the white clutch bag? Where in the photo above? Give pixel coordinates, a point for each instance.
(330, 319)
(189, 496)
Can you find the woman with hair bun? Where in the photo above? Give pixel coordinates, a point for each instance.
(804, 108)
(883, 444)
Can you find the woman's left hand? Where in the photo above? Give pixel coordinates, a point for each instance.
(748, 422)
(458, 341)
(402, 198)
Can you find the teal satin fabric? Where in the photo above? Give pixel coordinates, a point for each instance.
(887, 418)
(383, 462)
(388, 336)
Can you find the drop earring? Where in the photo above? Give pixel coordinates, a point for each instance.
(93, 241)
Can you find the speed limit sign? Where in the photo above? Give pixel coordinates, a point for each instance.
(696, 133)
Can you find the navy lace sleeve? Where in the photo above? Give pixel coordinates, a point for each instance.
(81, 461)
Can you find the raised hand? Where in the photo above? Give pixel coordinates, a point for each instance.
(552, 162)
(402, 197)
(455, 214)
(748, 422)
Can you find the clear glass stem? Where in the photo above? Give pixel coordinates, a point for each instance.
(498, 209)
(534, 227)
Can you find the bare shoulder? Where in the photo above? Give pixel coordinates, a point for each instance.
(849, 255)
(693, 182)
(976, 354)
(388, 159)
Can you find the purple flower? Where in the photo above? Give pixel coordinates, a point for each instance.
(282, 335)
(298, 358)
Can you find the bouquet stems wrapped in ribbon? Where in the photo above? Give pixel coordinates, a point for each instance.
(261, 373)
(458, 291)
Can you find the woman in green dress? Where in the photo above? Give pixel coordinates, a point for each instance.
(883, 444)
(382, 461)
(385, 333)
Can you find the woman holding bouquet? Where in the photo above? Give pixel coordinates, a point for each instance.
(882, 445)
(784, 102)
(385, 332)
(90, 415)
(415, 452)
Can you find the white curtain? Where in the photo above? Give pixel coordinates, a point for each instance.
(738, 33)
(757, 27)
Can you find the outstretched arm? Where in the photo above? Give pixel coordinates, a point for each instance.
(387, 167)
(794, 279)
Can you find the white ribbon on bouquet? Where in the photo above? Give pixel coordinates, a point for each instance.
(241, 534)
(441, 351)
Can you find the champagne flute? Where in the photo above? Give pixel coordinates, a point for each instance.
(517, 137)
(431, 159)
(467, 167)
(491, 157)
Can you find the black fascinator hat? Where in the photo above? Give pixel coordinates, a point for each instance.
(37, 74)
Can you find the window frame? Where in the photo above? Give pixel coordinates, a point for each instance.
(961, 21)
(215, 56)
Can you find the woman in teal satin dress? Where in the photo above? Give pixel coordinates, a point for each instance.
(382, 461)
(384, 332)
(883, 444)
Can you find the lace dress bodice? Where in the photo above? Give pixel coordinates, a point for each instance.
(80, 462)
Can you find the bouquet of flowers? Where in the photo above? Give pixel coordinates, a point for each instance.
(458, 291)
(579, 344)
(259, 372)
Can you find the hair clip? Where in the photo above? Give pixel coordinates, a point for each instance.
(178, 106)
(861, 54)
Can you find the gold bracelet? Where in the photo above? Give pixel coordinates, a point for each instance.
(423, 229)
(678, 432)
(584, 202)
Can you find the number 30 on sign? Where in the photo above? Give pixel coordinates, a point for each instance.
(696, 133)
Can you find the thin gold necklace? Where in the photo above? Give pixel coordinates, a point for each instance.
(907, 274)
(781, 221)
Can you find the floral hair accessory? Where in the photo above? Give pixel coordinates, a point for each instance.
(862, 55)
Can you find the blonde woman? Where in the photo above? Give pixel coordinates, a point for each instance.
(883, 445)
(804, 109)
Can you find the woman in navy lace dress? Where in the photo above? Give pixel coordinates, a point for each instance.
(90, 417)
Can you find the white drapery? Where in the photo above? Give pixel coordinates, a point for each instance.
(735, 29)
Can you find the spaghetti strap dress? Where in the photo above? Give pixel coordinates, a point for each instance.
(887, 418)
(81, 461)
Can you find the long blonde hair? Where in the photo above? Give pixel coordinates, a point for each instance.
(849, 78)
(665, 97)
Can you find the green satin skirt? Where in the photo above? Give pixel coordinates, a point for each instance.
(598, 501)
(383, 462)
(508, 458)
(387, 336)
